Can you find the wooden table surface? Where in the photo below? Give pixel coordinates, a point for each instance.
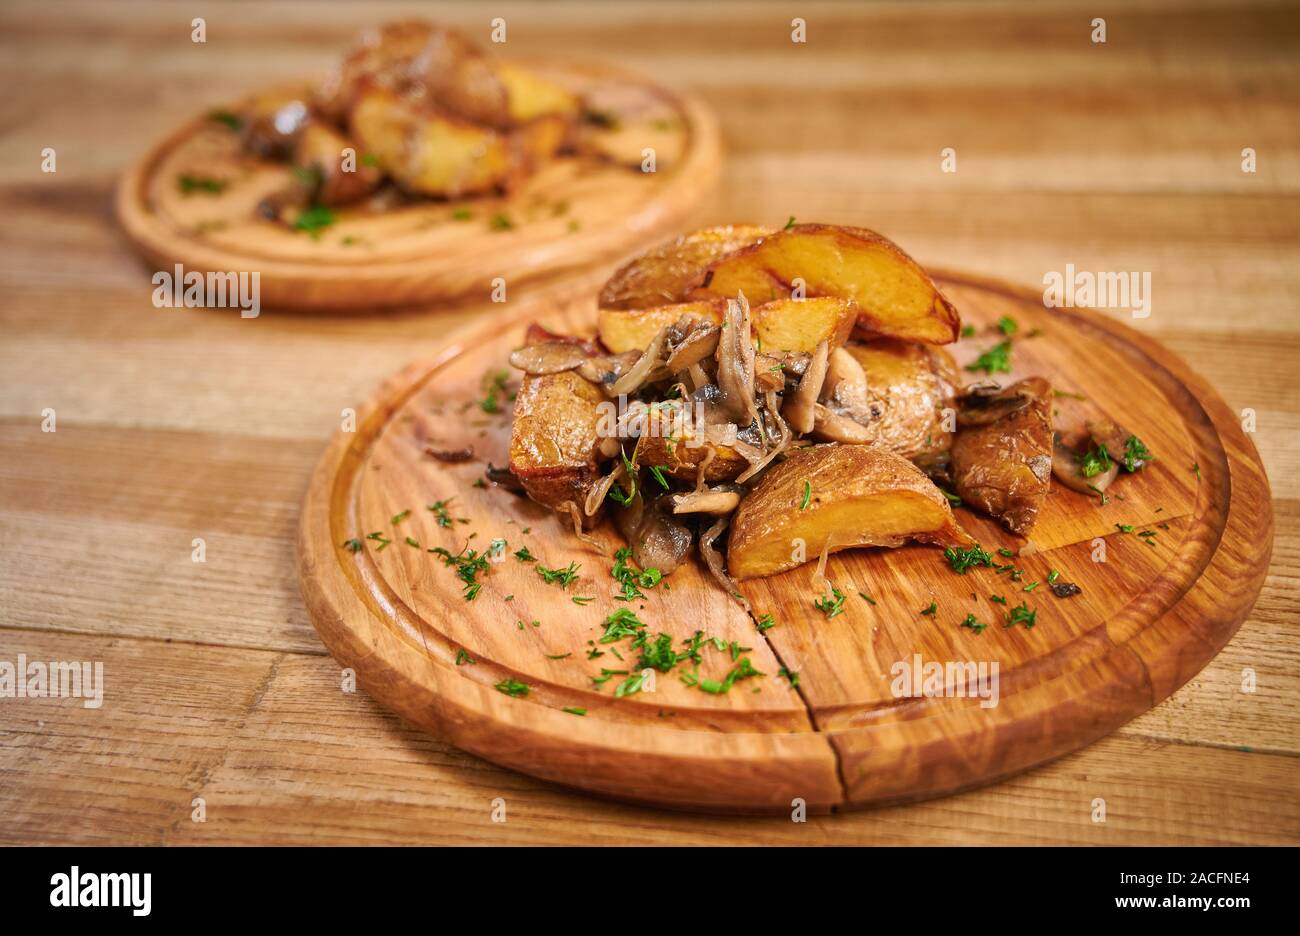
(177, 424)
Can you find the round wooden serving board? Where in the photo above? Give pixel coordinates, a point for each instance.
(573, 212)
(1150, 616)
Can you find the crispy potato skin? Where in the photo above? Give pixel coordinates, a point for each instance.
(553, 438)
(896, 297)
(800, 324)
(909, 386)
(1005, 468)
(632, 329)
(670, 271)
(860, 496)
(428, 152)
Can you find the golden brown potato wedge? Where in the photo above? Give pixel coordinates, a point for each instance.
(554, 439)
(800, 324)
(670, 271)
(836, 497)
(1004, 466)
(632, 329)
(531, 96)
(909, 386)
(896, 297)
(428, 152)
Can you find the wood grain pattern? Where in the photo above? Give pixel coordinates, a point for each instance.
(1152, 614)
(571, 212)
(182, 423)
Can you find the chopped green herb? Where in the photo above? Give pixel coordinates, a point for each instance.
(563, 576)
(1095, 461)
(523, 555)
(233, 121)
(440, 512)
(867, 598)
(1021, 615)
(574, 710)
(789, 224)
(963, 559)
(582, 599)
(997, 599)
(494, 384)
(1003, 551)
(398, 518)
(765, 623)
(657, 471)
(1053, 576)
(412, 541)
(314, 220)
(462, 214)
(462, 658)
(353, 544)
(500, 222)
(807, 495)
(832, 604)
(793, 676)
(190, 184)
(996, 359)
(930, 611)
(973, 624)
(513, 688)
(967, 331)
(1135, 454)
(380, 539)
(1124, 527)
(1007, 325)
(1030, 587)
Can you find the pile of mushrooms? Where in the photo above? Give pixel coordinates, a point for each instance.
(754, 405)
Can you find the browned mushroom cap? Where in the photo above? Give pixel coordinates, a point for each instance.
(658, 540)
(1067, 469)
(718, 501)
(986, 403)
(550, 357)
(799, 409)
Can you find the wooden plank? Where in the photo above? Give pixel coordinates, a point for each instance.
(280, 754)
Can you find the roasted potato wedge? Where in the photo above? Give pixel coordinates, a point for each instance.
(1004, 466)
(530, 96)
(857, 495)
(670, 271)
(632, 329)
(554, 440)
(896, 297)
(429, 152)
(800, 324)
(909, 386)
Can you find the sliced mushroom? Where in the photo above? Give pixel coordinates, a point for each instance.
(830, 426)
(552, 357)
(799, 408)
(700, 343)
(1067, 470)
(639, 373)
(713, 559)
(718, 501)
(1115, 440)
(736, 363)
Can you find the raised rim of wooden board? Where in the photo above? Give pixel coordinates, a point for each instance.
(1159, 641)
(410, 281)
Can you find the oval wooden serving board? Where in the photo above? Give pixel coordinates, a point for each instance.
(573, 212)
(1149, 617)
